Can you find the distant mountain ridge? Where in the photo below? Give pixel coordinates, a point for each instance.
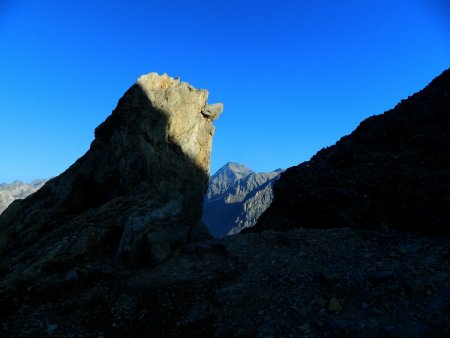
(236, 197)
(10, 192)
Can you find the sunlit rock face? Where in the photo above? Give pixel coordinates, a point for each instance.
(393, 171)
(134, 196)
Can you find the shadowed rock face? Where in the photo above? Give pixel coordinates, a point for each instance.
(393, 170)
(134, 196)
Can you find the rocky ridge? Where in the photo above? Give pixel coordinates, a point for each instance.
(392, 171)
(9, 192)
(235, 198)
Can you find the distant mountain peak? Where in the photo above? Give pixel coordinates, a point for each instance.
(235, 198)
(233, 171)
(233, 165)
(9, 192)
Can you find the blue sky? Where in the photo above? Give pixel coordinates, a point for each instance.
(294, 76)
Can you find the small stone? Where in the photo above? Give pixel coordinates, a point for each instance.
(389, 329)
(385, 227)
(383, 276)
(414, 285)
(410, 247)
(411, 267)
(334, 305)
(321, 302)
(213, 110)
(376, 311)
(305, 327)
(339, 324)
(72, 275)
(51, 328)
(317, 324)
(329, 277)
(379, 265)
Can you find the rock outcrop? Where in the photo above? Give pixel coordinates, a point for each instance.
(132, 198)
(17, 190)
(236, 197)
(392, 171)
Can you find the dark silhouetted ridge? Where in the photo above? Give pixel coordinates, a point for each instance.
(393, 171)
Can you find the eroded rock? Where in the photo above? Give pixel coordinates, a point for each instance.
(133, 197)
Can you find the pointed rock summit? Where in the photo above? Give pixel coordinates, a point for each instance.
(132, 198)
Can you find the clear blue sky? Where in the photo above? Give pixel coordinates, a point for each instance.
(294, 76)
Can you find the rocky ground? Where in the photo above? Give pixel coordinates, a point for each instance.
(300, 283)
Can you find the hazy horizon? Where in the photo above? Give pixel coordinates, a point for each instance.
(294, 77)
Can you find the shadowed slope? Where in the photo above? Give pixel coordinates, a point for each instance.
(393, 170)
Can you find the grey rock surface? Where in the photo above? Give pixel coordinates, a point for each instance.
(10, 192)
(236, 197)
